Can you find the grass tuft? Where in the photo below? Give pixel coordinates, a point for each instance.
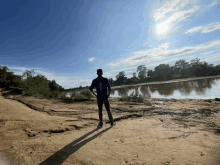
(135, 98)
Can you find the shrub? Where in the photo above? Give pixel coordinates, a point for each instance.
(79, 97)
(66, 99)
(125, 98)
(132, 98)
(86, 93)
(63, 97)
(55, 94)
(73, 94)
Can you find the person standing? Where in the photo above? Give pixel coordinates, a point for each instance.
(101, 84)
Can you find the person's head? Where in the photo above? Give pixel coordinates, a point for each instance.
(99, 72)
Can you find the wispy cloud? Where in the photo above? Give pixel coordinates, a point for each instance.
(210, 52)
(205, 29)
(211, 59)
(91, 59)
(84, 81)
(168, 7)
(162, 52)
(22, 68)
(215, 2)
(174, 11)
(208, 7)
(181, 15)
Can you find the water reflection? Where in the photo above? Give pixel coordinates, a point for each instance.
(112, 92)
(185, 88)
(145, 91)
(193, 88)
(123, 91)
(201, 89)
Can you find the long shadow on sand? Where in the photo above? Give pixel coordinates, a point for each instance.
(60, 156)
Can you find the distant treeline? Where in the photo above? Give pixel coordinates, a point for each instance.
(163, 72)
(42, 85)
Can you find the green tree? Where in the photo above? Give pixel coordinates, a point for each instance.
(28, 73)
(10, 79)
(163, 72)
(120, 78)
(182, 67)
(3, 76)
(134, 78)
(40, 84)
(142, 71)
(53, 85)
(17, 82)
(181, 64)
(150, 73)
(196, 67)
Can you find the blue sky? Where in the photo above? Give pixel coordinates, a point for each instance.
(69, 40)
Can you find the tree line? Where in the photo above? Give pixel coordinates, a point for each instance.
(163, 72)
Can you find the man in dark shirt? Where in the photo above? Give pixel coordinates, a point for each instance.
(101, 84)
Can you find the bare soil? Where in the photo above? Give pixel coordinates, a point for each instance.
(49, 132)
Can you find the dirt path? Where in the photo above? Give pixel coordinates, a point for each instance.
(51, 132)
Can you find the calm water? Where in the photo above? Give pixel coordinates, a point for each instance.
(207, 88)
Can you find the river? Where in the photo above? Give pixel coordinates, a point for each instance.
(207, 88)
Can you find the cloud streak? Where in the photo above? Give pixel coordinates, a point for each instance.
(208, 7)
(168, 7)
(211, 59)
(205, 29)
(162, 52)
(174, 11)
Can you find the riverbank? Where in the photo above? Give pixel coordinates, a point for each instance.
(166, 131)
(164, 82)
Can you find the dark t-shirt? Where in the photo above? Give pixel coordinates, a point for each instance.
(101, 84)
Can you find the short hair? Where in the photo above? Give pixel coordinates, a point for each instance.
(99, 72)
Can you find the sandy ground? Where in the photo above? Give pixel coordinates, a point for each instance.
(49, 132)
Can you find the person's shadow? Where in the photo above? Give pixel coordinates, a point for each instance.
(60, 156)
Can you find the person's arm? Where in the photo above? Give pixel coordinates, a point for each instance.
(91, 88)
(109, 91)
(94, 93)
(109, 88)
